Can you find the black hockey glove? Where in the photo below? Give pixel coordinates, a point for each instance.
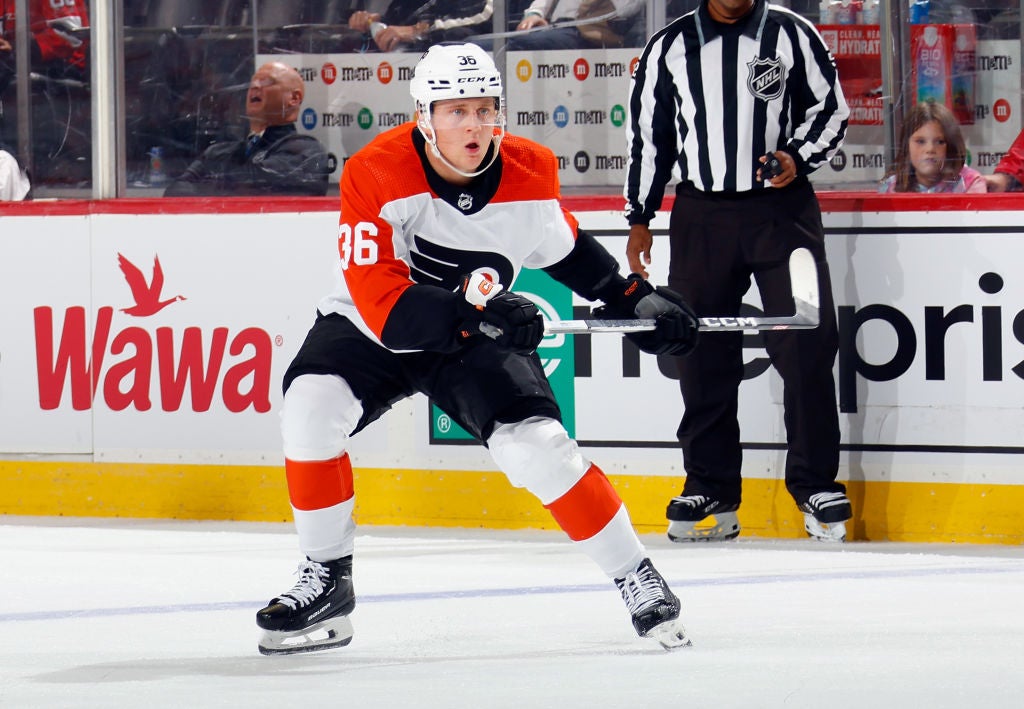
(512, 321)
(676, 324)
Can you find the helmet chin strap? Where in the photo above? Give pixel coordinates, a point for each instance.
(427, 131)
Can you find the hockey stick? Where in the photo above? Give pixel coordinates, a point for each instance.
(803, 278)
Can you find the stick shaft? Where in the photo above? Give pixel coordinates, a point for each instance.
(803, 276)
(718, 324)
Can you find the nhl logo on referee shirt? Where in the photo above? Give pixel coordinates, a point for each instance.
(766, 78)
(465, 202)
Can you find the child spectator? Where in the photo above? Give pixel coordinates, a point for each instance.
(931, 155)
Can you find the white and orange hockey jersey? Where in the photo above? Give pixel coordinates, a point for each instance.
(406, 236)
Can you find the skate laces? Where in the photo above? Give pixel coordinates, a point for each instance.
(641, 589)
(310, 585)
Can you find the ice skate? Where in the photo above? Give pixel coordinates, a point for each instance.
(825, 515)
(698, 518)
(653, 606)
(313, 615)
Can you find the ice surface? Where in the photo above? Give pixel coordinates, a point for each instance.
(127, 614)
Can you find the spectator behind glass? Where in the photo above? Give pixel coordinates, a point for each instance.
(6, 58)
(275, 159)
(931, 155)
(60, 38)
(414, 26)
(1009, 173)
(14, 182)
(545, 13)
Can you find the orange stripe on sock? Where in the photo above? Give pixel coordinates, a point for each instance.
(315, 485)
(587, 507)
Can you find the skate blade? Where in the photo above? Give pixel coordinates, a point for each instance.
(824, 532)
(716, 528)
(671, 634)
(327, 634)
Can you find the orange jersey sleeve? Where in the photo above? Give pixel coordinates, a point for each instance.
(375, 276)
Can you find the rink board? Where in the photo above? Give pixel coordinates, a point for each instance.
(178, 417)
(883, 511)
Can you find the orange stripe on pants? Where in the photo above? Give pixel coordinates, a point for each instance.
(318, 484)
(587, 507)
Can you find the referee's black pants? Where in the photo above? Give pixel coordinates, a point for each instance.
(717, 243)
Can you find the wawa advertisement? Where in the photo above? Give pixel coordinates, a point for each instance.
(164, 337)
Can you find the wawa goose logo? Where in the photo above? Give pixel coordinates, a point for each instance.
(146, 294)
(181, 369)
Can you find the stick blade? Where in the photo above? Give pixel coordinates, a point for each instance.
(803, 278)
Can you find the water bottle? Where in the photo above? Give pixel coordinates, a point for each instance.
(930, 65)
(848, 12)
(870, 13)
(919, 11)
(157, 175)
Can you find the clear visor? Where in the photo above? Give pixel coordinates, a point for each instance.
(454, 116)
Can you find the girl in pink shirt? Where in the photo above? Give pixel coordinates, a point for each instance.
(931, 155)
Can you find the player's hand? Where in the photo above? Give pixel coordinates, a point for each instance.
(638, 249)
(512, 321)
(676, 324)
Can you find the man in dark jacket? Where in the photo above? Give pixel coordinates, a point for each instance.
(275, 159)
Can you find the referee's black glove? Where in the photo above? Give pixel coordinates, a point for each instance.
(676, 324)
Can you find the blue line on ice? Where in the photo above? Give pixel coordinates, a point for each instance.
(818, 576)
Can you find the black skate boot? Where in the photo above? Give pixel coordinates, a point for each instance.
(685, 511)
(825, 515)
(313, 615)
(653, 607)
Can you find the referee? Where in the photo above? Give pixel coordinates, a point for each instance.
(713, 93)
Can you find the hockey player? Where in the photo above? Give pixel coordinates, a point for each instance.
(437, 217)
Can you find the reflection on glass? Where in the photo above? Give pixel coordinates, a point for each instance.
(58, 130)
(188, 63)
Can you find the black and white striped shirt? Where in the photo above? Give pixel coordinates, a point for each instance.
(708, 99)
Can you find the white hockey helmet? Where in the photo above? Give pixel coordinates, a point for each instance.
(453, 71)
(447, 71)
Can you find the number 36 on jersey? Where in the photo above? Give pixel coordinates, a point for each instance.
(356, 244)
